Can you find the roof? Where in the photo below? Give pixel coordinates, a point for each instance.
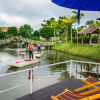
(89, 30)
(5, 29)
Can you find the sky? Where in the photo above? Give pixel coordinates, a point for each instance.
(33, 12)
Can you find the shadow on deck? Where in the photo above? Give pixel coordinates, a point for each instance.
(55, 89)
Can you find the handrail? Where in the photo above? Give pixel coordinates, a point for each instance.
(85, 62)
(38, 67)
(3, 75)
(33, 68)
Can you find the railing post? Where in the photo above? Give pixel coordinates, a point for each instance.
(71, 69)
(31, 82)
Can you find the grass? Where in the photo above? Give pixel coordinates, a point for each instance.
(90, 52)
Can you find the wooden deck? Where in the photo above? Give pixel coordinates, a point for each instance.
(55, 89)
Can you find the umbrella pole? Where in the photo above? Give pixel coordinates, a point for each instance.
(77, 33)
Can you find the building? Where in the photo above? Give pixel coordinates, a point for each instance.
(5, 29)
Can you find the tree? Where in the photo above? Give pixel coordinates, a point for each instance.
(46, 32)
(12, 31)
(97, 24)
(75, 16)
(73, 20)
(50, 23)
(1, 34)
(66, 21)
(90, 23)
(26, 31)
(36, 33)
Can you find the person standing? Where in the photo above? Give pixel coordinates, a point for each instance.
(31, 48)
(39, 47)
(23, 44)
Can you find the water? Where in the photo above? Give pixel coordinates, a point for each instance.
(43, 76)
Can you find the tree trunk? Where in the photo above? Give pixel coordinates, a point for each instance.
(99, 39)
(71, 34)
(54, 34)
(58, 37)
(66, 34)
(82, 40)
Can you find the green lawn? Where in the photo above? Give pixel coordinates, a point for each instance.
(91, 52)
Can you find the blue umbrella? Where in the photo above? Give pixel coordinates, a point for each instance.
(88, 5)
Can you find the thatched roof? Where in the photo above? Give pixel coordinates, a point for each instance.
(5, 29)
(89, 30)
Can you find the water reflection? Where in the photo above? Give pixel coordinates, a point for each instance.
(87, 69)
(50, 56)
(52, 74)
(64, 75)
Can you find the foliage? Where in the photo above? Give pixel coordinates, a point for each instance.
(46, 32)
(97, 24)
(12, 45)
(90, 23)
(26, 31)
(2, 35)
(75, 15)
(36, 33)
(85, 39)
(12, 31)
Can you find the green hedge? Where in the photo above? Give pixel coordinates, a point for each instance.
(85, 39)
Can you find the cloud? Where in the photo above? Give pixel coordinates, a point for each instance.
(19, 12)
(11, 20)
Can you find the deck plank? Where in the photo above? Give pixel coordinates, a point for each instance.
(55, 89)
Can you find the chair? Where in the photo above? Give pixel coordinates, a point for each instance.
(68, 95)
(90, 82)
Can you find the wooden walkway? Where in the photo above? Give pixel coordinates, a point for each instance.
(55, 89)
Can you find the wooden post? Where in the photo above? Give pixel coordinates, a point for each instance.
(90, 39)
(99, 39)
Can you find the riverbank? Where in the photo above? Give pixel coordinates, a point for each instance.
(90, 52)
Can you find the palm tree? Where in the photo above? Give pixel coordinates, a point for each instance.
(51, 23)
(97, 24)
(73, 20)
(67, 22)
(75, 16)
(90, 23)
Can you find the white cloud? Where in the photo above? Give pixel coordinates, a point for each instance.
(12, 20)
(19, 12)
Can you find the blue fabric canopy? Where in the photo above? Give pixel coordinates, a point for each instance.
(89, 5)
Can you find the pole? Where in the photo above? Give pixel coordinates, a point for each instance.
(77, 33)
(31, 82)
(71, 69)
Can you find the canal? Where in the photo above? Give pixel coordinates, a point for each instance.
(42, 77)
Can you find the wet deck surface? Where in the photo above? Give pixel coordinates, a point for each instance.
(55, 89)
